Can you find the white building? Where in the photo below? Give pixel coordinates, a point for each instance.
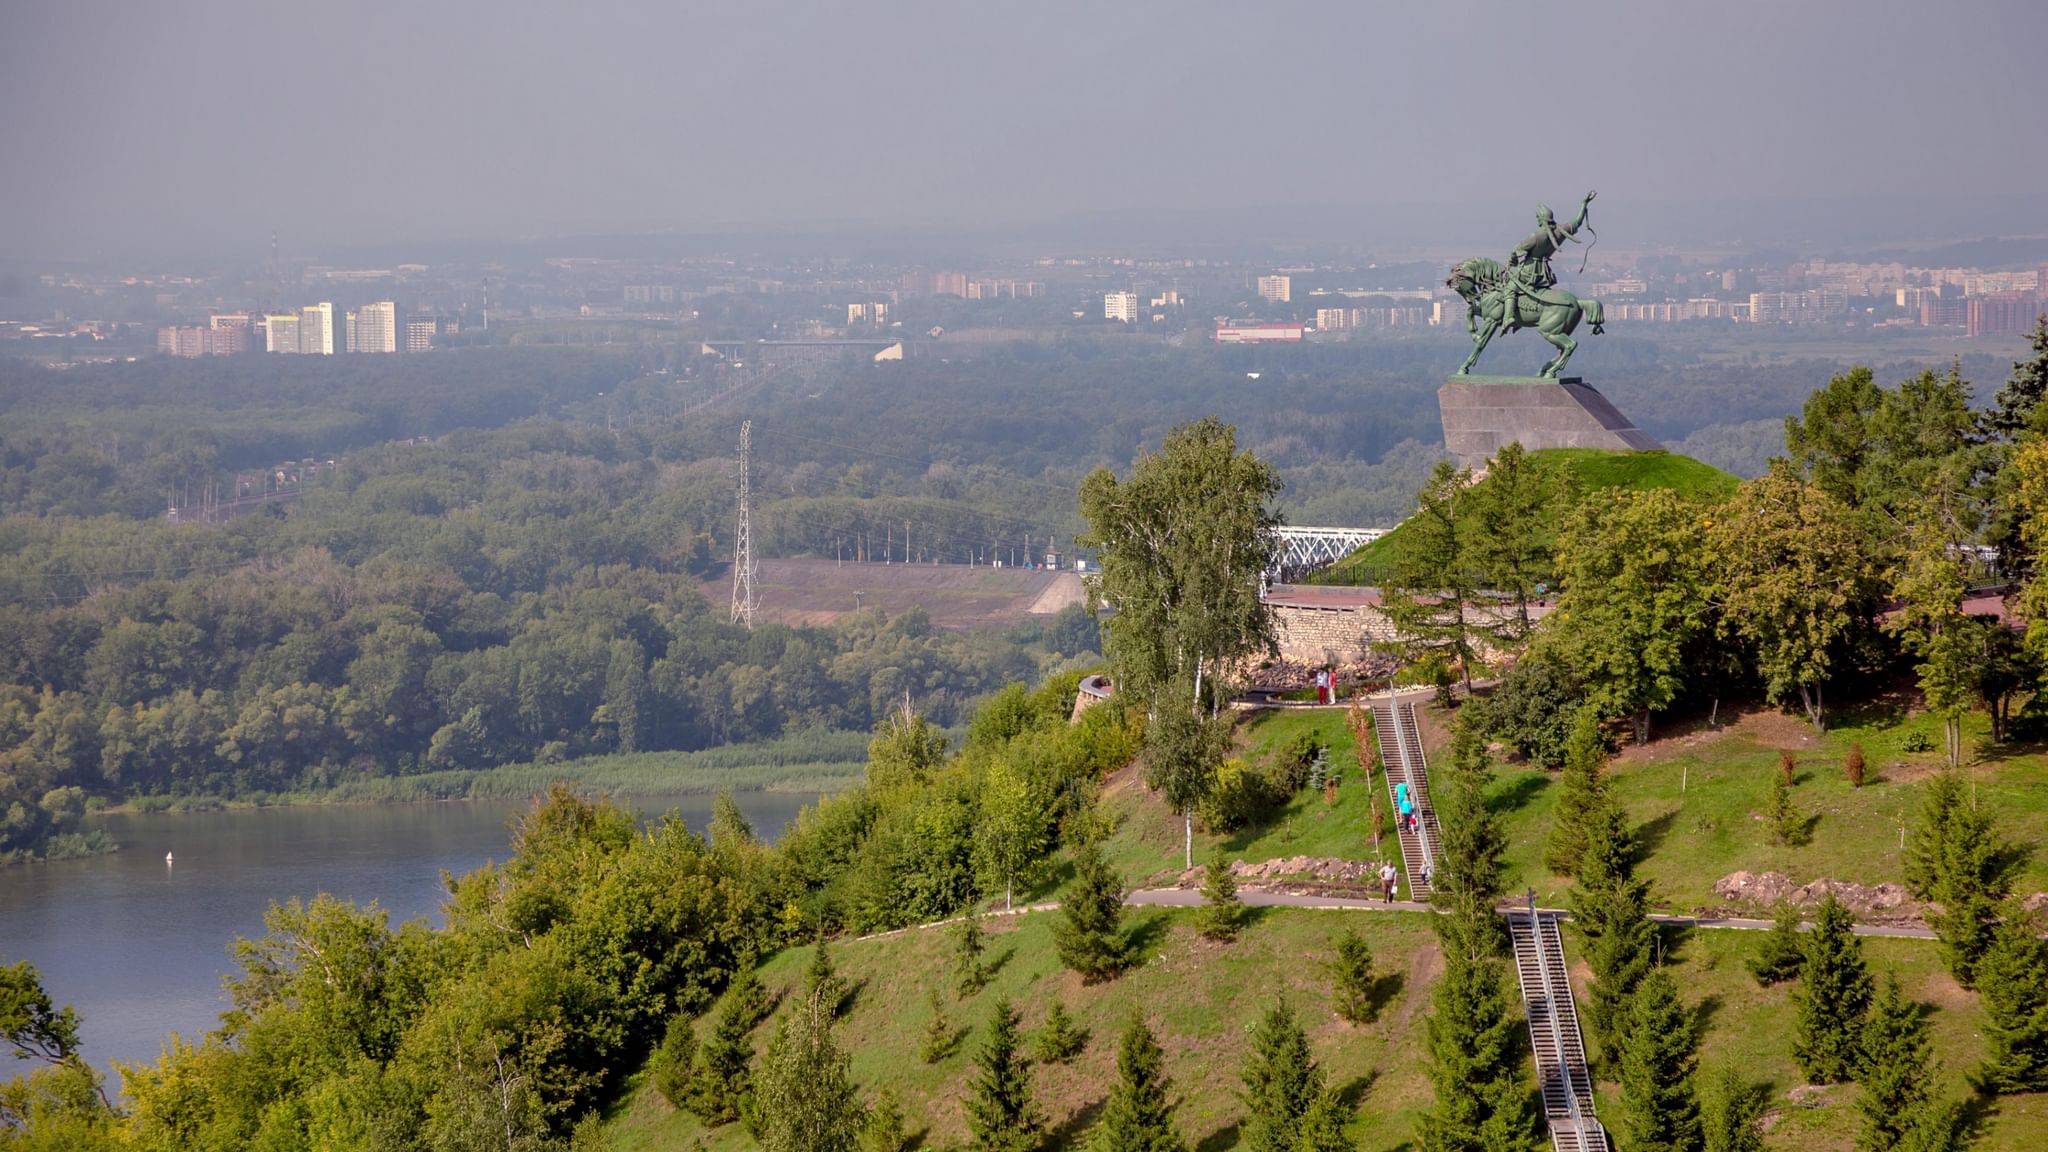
(316, 329)
(1120, 306)
(376, 327)
(1276, 288)
(281, 333)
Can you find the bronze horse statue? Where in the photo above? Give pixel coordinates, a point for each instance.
(1486, 287)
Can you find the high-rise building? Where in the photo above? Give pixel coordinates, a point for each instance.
(316, 329)
(419, 334)
(230, 332)
(281, 333)
(349, 329)
(376, 328)
(2001, 313)
(1279, 289)
(1120, 306)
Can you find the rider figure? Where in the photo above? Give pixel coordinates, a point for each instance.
(1536, 252)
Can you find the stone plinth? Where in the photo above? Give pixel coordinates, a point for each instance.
(1483, 414)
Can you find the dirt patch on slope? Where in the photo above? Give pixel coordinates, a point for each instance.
(1868, 903)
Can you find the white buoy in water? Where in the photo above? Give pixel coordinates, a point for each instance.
(167, 858)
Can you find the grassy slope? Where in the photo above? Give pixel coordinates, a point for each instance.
(1200, 997)
(1697, 800)
(1588, 469)
(1147, 844)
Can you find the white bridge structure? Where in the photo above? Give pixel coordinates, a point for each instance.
(1300, 549)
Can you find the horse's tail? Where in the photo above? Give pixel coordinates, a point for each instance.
(1595, 315)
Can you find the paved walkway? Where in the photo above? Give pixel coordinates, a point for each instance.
(1260, 898)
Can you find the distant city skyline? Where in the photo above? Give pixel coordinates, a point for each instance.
(509, 121)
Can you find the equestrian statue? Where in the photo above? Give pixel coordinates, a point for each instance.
(1523, 293)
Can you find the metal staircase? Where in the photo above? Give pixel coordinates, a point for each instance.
(1401, 751)
(1559, 1049)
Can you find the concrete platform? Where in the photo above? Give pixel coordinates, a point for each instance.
(1483, 414)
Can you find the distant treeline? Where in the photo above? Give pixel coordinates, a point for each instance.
(504, 597)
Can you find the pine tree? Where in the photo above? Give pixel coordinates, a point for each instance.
(1787, 822)
(968, 970)
(1657, 1064)
(822, 985)
(675, 1062)
(1137, 1117)
(747, 995)
(805, 1100)
(884, 1130)
(1832, 998)
(1927, 845)
(1895, 1068)
(1973, 876)
(1351, 978)
(1222, 914)
(1730, 1110)
(1610, 908)
(1430, 593)
(938, 1033)
(2012, 978)
(724, 1078)
(1281, 1080)
(1781, 954)
(1089, 933)
(1468, 880)
(1000, 1112)
(1059, 1038)
(2019, 400)
(1322, 1126)
(1484, 1097)
(1580, 794)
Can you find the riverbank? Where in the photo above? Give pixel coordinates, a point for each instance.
(65, 846)
(805, 763)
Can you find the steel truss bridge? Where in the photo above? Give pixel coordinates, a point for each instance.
(1300, 550)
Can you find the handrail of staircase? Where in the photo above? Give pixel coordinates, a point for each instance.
(1564, 1064)
(1407, 771)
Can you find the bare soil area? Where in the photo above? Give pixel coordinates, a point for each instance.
(955, 596)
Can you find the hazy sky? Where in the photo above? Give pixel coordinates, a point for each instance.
(164, 127)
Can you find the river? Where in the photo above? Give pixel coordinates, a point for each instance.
(139, 946)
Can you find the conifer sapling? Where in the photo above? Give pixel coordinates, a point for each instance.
(1351, 978)
(1222, 915)
(1780, 955)
(1832, 997)
(1000, 1111)
(938, 1033)
(1138, 1116)
(968, 968)
(1059, 1038)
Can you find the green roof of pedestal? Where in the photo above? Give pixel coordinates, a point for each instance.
(1590, 469)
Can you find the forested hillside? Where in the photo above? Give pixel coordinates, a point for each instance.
(518, 585)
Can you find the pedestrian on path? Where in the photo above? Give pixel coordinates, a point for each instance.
(1387, 877)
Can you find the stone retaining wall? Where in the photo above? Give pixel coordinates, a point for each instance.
(1328, 635)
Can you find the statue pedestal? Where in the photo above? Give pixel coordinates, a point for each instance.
(1483, 414)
